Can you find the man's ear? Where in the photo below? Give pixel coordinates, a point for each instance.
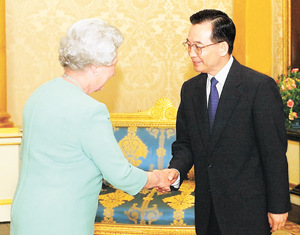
(224, 47)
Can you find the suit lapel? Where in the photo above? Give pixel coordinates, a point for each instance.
(200, 107)
(230, 95)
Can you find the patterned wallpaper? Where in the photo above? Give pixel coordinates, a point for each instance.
(152, 61)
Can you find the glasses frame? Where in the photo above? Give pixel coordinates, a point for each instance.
(197, 49)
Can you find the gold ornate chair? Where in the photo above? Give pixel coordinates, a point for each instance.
(145, 139)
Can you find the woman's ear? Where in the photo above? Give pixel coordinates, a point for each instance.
(224, 47)
(94, 69)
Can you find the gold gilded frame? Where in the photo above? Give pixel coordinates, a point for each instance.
(106, 229)
(286, 19)
(5, 202)
(162, 115)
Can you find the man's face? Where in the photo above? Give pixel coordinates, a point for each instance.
(209, 61)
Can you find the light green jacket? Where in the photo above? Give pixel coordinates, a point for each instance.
(68, 147)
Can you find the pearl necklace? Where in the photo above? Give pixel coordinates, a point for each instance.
(73, 80)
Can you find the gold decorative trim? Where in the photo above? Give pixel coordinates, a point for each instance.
(162, 114)
(9, 130)
(10, 143)
(286, 19)
(106, 229)
(5, 202)
(10, 136)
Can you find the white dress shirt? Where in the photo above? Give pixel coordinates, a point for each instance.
(221, 78)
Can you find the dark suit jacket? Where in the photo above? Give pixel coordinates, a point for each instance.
(241, 167)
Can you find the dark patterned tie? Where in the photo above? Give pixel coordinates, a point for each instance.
(213, 101)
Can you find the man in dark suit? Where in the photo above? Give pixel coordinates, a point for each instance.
(230, 126)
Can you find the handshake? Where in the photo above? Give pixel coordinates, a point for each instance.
(161, 179)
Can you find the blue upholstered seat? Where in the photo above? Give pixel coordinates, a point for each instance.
(147, 146)
(148, 149)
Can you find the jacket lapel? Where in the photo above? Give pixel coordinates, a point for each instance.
(200, 107)
(230, 95)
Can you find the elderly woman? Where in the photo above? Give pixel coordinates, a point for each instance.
(68, 145)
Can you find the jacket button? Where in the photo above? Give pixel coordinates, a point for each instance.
(210, 165)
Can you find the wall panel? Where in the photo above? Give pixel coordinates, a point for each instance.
(152, 61)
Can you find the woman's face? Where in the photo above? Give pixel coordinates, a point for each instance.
(104, 73)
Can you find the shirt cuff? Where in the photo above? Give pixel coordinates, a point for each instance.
(176, 184)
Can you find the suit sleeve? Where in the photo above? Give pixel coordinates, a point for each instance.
(100, 145)
(270, 132)
(181, 148)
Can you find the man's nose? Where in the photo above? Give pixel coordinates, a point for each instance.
(192, 52)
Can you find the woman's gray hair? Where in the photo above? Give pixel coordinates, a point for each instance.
(89, 41)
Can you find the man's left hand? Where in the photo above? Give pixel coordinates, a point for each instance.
(277, 221)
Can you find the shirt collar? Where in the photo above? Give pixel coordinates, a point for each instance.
(222, 74)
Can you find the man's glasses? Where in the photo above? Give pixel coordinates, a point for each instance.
(197, 49)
